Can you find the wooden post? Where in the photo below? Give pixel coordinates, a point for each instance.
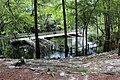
(118, 49)
(70, 50)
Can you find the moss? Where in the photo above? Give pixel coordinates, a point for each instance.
(98, 62)
(79, 70)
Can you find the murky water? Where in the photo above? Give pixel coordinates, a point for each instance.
(59, 47)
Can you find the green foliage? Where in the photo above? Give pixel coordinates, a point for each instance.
(100, 49)
(92, 37)
(15, 17)
(59, 43)
(98, 62)
(7, 51)
(18, 52)
(79, 70)
(52, 7)
(58, 40)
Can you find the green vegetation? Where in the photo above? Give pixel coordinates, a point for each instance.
(79, 70)
(102, 17)
(7, 51)
(18, 15)
(92, 37)
(98, 62)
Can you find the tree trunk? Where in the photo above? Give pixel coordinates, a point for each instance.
(97, 30)
(83, 51)
(86, 26)
(65, 30)
(36, 31)
(118, 49)
(76, 25)
(107, 38)
(118, 33)
(86, 45)
(107, 28)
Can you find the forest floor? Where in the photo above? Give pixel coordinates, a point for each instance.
(104, 66)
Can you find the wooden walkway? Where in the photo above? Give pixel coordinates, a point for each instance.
(58, 35)
(48, 36)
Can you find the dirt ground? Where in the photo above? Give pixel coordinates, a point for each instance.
(104, 66)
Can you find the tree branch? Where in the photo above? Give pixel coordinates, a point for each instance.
(92, 12)
(7, 4)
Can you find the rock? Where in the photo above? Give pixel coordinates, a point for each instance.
(72, 78)
(19, 63)
(11, 67)
(62, 73)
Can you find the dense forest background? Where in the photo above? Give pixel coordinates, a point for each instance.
(100, 17)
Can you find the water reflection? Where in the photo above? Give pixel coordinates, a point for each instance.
(59, 47)
(58, 55)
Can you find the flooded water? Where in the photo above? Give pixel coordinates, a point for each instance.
(59, 47)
